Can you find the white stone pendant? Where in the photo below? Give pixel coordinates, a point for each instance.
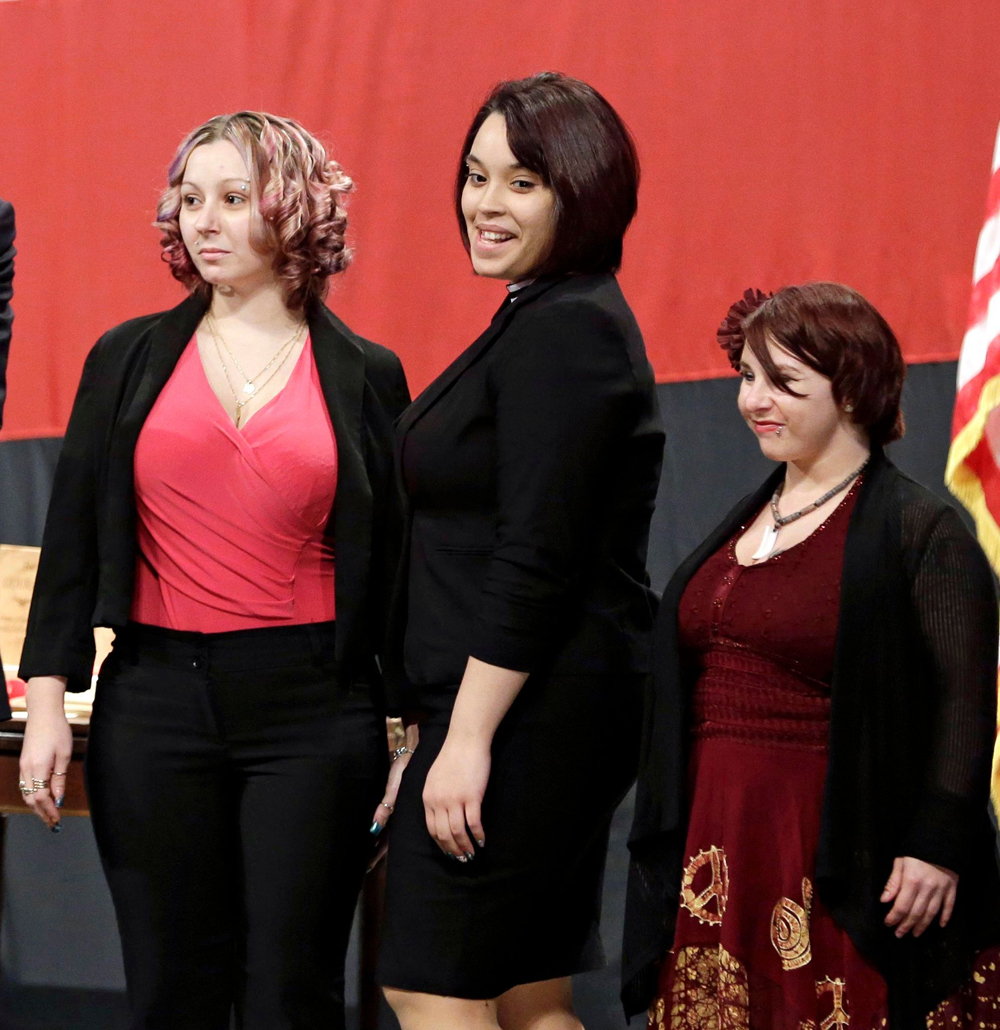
(767, 544)
(249, 388)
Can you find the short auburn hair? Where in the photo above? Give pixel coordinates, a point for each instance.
(298, 193)
(836, 332)
(564, 131)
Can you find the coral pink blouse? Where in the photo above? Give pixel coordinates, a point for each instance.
(231, 522)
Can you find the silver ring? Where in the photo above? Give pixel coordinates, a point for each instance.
(387, 807)
(39, 784)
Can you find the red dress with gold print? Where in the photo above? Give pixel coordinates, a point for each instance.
(754, 947)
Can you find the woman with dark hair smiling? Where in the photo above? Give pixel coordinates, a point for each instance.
(531, 467)
(812, 846)
(223, 461)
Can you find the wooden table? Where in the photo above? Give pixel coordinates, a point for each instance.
(11, 802)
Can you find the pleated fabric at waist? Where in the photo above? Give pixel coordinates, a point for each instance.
(744, 695)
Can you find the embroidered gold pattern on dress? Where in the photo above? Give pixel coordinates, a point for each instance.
(656, 1014)
(717, 890)
(790, 929)
(838, 1017)
(975, 1004)
(709, 991)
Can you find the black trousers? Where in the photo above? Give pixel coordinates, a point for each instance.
(232, 783)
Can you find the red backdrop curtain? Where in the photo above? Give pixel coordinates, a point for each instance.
(780, 140)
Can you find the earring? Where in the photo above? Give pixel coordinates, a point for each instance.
(848, 408)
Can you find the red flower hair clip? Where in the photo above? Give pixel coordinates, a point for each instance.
(730, 331)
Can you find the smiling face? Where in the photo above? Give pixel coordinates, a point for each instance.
(791, 428)
(217, 218)
(509, 211)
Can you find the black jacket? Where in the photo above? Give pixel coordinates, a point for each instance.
(912, 723)
(531, 466)
(87, 568)
(7, 253)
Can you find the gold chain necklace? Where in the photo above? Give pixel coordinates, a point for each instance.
(250, 384)
(287, 347)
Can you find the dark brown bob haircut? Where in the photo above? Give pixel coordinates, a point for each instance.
(836, 332)
(564, 131)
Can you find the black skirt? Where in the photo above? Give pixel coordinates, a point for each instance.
(528, 907)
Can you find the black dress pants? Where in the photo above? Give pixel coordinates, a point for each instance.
(232, 782)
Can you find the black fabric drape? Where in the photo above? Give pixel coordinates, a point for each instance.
(7, 253)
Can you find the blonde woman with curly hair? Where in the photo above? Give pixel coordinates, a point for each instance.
(224, 501)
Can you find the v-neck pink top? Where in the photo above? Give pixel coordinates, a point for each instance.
(231, 521)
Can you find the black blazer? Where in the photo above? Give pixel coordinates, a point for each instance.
(531, 466)
(912, 723)
(7, 253)
(87, 567)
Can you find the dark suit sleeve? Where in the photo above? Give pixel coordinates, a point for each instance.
(955, 599)
(7, 253)
(561, 381)
(60, 639)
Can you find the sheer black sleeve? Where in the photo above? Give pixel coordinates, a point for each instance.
(954, 596)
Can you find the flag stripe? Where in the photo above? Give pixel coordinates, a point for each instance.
(972, 473)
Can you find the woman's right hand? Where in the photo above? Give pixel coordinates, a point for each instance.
(47, 748)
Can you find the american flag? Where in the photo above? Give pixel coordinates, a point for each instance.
(973, 471)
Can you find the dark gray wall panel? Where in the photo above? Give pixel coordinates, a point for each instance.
(26, 469)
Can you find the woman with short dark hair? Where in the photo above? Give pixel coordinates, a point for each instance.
(812, 845)
(225, 500)
(531, 466)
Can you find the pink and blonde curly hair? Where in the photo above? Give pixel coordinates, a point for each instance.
(298, 191)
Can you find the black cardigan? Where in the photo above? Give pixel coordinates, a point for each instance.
(913, 716)
(87, 567)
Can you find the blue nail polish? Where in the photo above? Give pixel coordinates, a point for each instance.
(57, 828)
(59, 802)
(375, 830)
(481, 843)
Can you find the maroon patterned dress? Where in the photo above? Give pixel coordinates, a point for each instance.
(754, 947)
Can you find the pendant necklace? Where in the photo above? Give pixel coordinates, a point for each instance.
(767, 545)
(251, 386)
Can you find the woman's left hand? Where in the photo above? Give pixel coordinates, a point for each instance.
(920, 891)
(453, 797)
(398, 737)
